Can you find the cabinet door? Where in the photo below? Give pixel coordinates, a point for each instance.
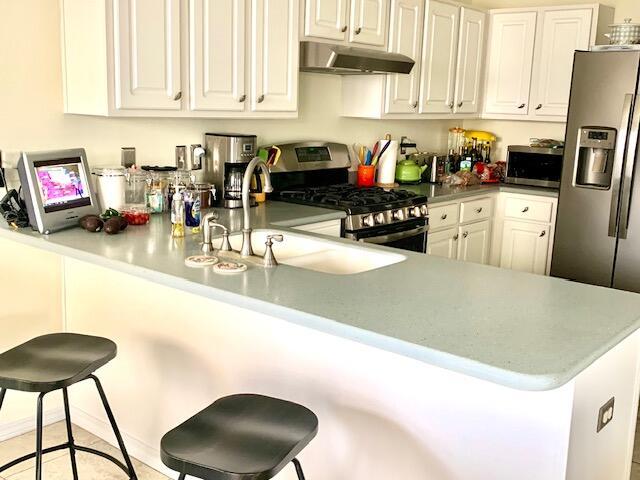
(217, 55)
(563, 32)
(147, 54)
(274, 55)
(443, 244)
(326, 19)
(510, 62)
(439, 58)
(369, 20)
(525, 246)
(475, 241)
(407, 18)
(470, 60)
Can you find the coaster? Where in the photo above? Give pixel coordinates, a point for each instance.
(197, 261)
(229, 267)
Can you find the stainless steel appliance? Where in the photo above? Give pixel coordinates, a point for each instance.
(597, 236)
(536, 166)
(436, 168)
(336, 59)
(317, 173)
(226, 159)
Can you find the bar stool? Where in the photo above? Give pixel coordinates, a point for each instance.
(240, 437)
(55, 362)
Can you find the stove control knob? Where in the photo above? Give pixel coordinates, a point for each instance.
(379, 218)
(424, 210)
(398, 215)
(415, 212)
(368, 221)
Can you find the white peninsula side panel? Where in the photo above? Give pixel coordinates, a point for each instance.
(382, 416)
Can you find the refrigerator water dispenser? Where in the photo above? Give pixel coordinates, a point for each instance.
(594, 159)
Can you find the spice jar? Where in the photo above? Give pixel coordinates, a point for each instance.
(137, 183)
(156, 192)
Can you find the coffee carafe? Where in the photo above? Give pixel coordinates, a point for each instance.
(227, 158)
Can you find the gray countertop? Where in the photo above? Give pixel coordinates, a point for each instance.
(445, 193)
(520, 330)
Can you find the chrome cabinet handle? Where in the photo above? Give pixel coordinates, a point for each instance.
(544, 232)
(178, 96)
(465, 234)
(522, 105)
(358, 30)
(242, 98)
(525, 209)
(455, 237)
(451, 105)
(539, 106)
(260, 99)
(460, 104)
(414, 105)
(343, 29)
(443, 217)
(478, 210)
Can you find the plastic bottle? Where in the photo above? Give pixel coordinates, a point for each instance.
(177, 215)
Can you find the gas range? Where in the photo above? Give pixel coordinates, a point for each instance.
(365, 207)
(317, 174)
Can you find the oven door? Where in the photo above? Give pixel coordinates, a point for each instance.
(409, 235)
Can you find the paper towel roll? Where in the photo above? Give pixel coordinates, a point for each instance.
(387, 162)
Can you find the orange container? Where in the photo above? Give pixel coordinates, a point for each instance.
(366, 175)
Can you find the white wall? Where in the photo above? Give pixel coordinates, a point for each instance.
(31, 105)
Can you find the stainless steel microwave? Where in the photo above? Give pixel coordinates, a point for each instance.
(536, 166)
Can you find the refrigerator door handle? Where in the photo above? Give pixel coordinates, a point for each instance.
(618, 164)
(629, 166)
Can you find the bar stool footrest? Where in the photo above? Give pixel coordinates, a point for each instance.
(64, 446)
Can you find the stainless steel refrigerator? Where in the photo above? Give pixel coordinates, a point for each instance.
(597, 238)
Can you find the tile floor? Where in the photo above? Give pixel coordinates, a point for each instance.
(57, 466)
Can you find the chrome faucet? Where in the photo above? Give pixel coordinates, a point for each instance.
(208, 223)
(247, 249)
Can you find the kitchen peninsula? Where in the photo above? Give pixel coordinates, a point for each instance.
(426, 368)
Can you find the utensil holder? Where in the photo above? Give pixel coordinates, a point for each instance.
(366, 175)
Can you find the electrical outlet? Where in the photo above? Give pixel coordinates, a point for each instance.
(605, 415)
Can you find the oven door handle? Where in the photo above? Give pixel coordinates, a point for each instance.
(392, 237)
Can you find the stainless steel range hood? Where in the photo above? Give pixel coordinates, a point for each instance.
(326, 58)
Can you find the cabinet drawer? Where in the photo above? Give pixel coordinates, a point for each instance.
(475, 210)
(528, 209)
(443, 216)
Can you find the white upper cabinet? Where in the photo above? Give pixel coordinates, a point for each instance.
(470, 61)
(236, 58)
(274, 55)
(563, 32)
(439, 58)
(530, 58)
(405, 37)
(217, 55)
(369, 22)
(326, 19)
(147, 54)
(510, 62)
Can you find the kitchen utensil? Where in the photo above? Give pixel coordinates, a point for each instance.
(408, 171)
(384, 149)
(625, 33)
(366, 175)
(369, 158)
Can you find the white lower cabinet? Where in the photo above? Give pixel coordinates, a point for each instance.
(474, 242)
(332, 228)
(504, 229)
(443, 243)
(525, 246)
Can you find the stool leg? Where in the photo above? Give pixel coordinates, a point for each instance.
(3, 391)
(72, 446)
(182, 476)
(39, 438)
(114, 426)
(296, 463)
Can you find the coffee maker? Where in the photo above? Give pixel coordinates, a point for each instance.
(227, 157)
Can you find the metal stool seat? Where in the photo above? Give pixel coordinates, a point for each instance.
(240, 437)
(55, 362)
